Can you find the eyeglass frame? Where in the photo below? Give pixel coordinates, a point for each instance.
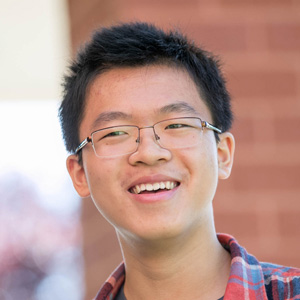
(89, 139)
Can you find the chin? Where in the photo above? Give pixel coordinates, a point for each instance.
(158, 234)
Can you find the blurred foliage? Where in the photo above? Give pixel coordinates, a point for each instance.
(40, 251)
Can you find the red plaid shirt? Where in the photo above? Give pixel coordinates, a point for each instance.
(248, 280)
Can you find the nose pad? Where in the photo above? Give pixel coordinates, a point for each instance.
(149, 151)
(138, 140)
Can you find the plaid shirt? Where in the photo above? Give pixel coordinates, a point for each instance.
(248, 280)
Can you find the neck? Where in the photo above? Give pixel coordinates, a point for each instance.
(191, 266)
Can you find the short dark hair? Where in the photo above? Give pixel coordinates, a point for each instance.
(135, 45)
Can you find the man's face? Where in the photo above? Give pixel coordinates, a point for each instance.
(143, 96)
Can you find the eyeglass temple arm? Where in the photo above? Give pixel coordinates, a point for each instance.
(82, 144)
(209, 126)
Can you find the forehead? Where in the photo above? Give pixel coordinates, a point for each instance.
(142, 94)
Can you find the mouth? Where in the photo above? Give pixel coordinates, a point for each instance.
(147, 188)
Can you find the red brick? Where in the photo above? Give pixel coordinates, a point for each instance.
(254, 131)
(95, 247)
(272, 153)
(284, 36)
(224, 186)
(93, 223)
(260, 61)
(260, 84)
(233, 202)
(288, 250)
(237, 224)
(100, 248)
(156, 13)
(265, 202)
(256, 2)
(287, 129)
(266, 177)
(243, 130)
(284, 252)
(168, 2)
(85, 18)
(289, 203)
(265, 108)
(264, 130)
(87, 210)
(96, 272)
(220, 37)
(289, 223)
(280, 250)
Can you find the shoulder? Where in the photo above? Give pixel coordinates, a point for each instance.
(252, 279)
(281, 282)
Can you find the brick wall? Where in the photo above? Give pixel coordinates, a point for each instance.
(259, 44)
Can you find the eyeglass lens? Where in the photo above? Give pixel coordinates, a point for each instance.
(173, 133)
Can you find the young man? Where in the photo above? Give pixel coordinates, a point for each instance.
(146, 116)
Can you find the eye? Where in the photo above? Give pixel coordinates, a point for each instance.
(114, 133)
(177, 125)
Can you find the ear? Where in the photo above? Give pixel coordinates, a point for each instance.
(77, 174)
(226, 147)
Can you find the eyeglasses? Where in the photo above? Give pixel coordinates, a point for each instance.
(124, 139)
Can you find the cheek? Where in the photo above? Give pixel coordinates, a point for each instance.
(102, 192)
(106, 192)
(200, 159)
(202, 169)
(102, 178)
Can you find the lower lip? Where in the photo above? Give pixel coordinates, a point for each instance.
(155, 197)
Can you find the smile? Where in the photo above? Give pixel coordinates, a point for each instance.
(153, 187)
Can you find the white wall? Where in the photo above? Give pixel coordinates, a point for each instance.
(34, 48)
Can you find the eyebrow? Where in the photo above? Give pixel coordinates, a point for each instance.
(109, 116)
(177, 107)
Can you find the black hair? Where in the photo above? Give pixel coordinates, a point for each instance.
(135, 45)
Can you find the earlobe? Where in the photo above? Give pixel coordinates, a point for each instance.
(78, 176)
(226, 148)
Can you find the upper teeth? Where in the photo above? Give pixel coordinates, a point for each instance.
(153, 186)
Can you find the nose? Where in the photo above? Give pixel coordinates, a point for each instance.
(149, 151)
(141, 128)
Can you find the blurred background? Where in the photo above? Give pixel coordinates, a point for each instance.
(54, 245)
